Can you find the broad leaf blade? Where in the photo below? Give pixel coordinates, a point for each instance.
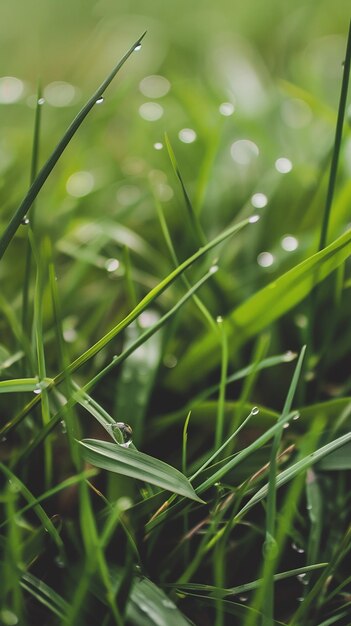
(115, 458)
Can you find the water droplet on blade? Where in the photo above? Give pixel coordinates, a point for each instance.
(255, 410)
(122, 433)
(253, 219)
(137, 47)
(297, 548)
(25, 221)
(100, 100)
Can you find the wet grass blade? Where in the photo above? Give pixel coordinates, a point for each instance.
(31, 499)
(194, 220)
(46, 170)
(263, 308)
(115, 458)
(337, 143)
(292, 471)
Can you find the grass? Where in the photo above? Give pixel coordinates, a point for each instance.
(231, 503)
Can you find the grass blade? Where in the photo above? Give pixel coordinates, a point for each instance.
(114, 458)
(261, 309)
(54, 157)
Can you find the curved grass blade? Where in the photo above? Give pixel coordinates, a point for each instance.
(45, 520)
(114, 458)
(194, 220)
(44, 594)
(261, 309)
(295, 469)
(54, 157)
(117, 360)
(232, 591)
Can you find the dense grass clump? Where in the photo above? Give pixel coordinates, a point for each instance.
(175, 348)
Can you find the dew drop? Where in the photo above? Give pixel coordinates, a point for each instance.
(60, 562)
(244, 151)
(158, 145)
(253, 219)
(289, 243)
(297, 548)
(187, 135)
(302, 579)
(289, 356)
(255, 410)
(300, 599)
(41, 101)
(213, 269)
(259, 200)
(296, 417)
(226, 109)
(286, 425)
(38, 388)
(283, 165)
(137, 47)
(25, 221)
(122, 433)
(219, 319)
(112, 265)
(265, 259)
(63, 427)
(243, 598)
(100, 100)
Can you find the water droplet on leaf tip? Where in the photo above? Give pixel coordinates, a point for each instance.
(255, 410)
(137, 47)
(286, 425)
(122, 433)
(100, 100)
(296, 417)
(219, 319)
(297, 548)
(289, 356)
(254, 218)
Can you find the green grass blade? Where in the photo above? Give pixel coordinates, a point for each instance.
(33, 173)
(54, 157)
(20, 385)
(263, 308)
(45, 520)
(270, 543)
(255, 584)
(337, 143)
(44, 594)
(143, 304)
(194, 220)
(166, 234)
(115, 458)
(296, 468)
(243, 454)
